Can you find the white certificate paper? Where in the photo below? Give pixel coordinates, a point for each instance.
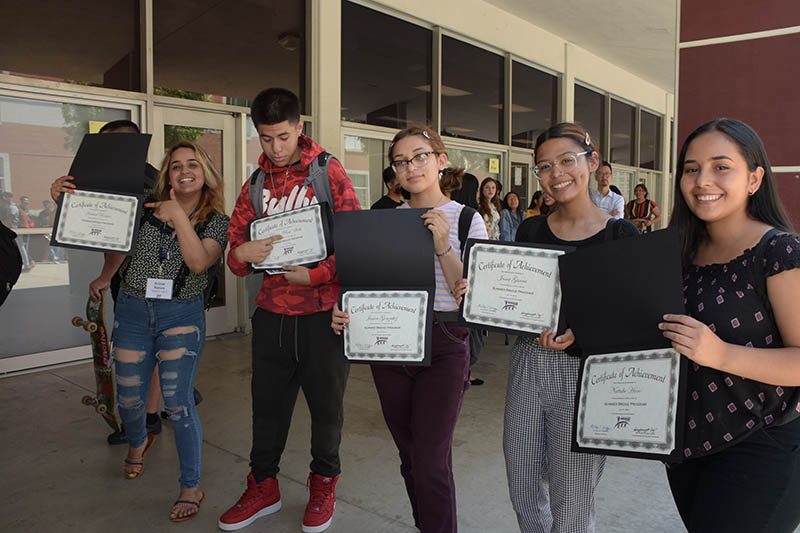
(628, 402)
(303, 238)
(386, 326)
(97, 220)
(513, 287)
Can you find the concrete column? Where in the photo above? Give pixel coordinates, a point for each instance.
(566, 85)
(325, 45)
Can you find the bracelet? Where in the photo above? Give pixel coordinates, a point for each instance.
(449, 249)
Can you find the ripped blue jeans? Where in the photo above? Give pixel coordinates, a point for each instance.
(170, 333)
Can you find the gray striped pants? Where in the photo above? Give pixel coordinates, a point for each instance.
(552, 488)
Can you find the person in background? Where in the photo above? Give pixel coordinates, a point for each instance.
(393, 198)
(641, 211)
(511, 217)
(489, 207)
(741, 266)
(45, 219)
(468, 193)
(609, 201)
(541, 204)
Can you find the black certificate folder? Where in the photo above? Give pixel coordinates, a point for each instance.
(103, 212)
(630, 393)
(384, 263)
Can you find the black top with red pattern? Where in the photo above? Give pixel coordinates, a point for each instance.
(723, 409)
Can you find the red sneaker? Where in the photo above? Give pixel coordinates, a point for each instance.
(321, 502)
(259, 499)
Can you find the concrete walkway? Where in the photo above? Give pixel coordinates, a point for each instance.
(58, 473)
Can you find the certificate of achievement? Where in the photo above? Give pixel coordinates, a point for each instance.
(387, 326)
(628, 402)
(513, 287)
(97, 220)
(303, 238)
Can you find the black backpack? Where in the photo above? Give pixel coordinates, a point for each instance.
(10, 261)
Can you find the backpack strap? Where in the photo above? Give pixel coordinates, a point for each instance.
(255, 188)
(464, 223)
(319, 180)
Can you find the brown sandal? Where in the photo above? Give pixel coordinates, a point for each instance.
(175, 518)
(134, 469)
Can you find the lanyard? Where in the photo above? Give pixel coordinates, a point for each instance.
(166, 254)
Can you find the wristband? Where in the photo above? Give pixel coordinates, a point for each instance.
(449, 248)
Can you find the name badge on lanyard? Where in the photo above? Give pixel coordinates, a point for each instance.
(159, 288)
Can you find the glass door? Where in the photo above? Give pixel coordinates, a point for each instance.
(521, 177)
(216, 134)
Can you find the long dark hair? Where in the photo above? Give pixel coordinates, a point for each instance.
(484, 204)
(520, 212)
(764, 205)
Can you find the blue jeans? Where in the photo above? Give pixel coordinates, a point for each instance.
(170, 333)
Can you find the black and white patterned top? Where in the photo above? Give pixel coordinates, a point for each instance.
(723, 409)
(145, 263)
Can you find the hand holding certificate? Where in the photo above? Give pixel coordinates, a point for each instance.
(304, 238)
(102, 213)
(512, 287)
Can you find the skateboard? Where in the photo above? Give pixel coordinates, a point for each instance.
(104, 400)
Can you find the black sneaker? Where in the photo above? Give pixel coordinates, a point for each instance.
(153, 424)
(476, 382)
(118, 437)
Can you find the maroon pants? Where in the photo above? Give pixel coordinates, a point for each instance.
(421, 407)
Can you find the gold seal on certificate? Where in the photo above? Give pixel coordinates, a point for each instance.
(97, 221)
(512, 287)
(387, 326)
(628, 402)
(303, 238)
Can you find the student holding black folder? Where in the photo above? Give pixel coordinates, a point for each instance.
(421, 404)
(741, 288)
(551, 487)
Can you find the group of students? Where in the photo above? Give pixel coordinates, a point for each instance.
(742, 448)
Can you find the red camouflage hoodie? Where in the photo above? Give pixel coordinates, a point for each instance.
(276, 294)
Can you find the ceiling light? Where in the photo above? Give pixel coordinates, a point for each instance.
(289, 41)
(446, 91)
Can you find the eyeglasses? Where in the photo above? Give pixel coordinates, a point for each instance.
(566, 162)
(418, 161)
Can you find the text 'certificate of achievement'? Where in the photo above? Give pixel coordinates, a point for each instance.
(303, 238)
(628, 402)
(97, 221)
(514, 288)
(385, 326)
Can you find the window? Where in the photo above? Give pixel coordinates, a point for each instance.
(364, 161)
(228, 52)
(623, 133)
(534, 105)
(386, 69)
(650, 141)
(590, 112)
(472, 92)
(95, 42)
(5, 175)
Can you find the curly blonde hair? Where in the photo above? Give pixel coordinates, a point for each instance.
(212, 198)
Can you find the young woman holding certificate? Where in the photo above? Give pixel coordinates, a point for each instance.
(551, 487)
(742, 330)
(421, 404)
(160, 316)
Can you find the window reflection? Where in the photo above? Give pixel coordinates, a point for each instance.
(534, 104)
(93, 43)
(227, 52)
(472, 92)
(364, 161)
(650, 141)
(623, 133)
(590, 112)
(386, 69)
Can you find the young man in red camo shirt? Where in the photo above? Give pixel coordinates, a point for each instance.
(293, 343)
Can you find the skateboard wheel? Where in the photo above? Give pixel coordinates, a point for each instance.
(76, 321)
(102, 409)
(91, 327)
(87, 400)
